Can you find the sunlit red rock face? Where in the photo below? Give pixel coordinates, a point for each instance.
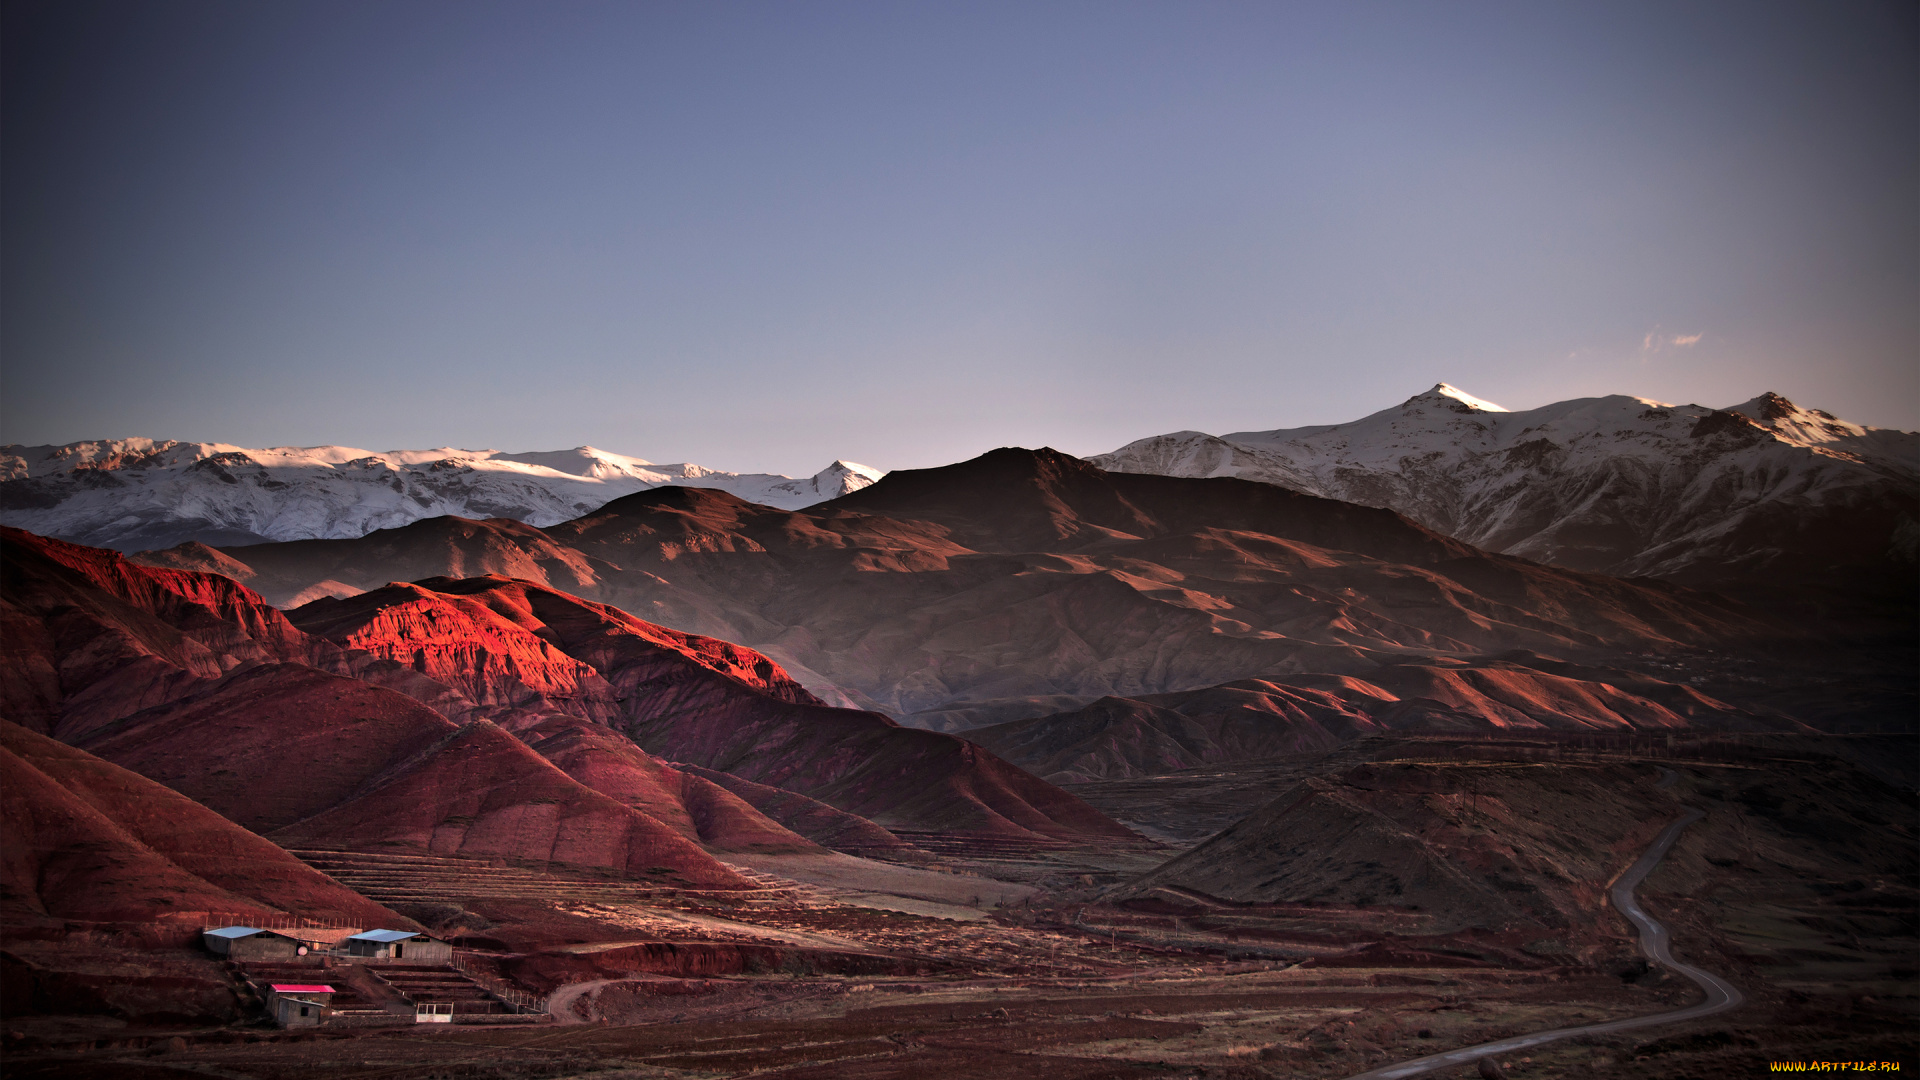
(1024, 581)
(515, 643)
(1115, 738)
(697, 700)
(89, 840)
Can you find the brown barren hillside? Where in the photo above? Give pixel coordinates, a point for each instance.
(1026, 581)
(693, 806)
(482, 792)
(88, 840)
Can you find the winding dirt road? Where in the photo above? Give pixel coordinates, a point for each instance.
(1654, 941)
(560, 1002)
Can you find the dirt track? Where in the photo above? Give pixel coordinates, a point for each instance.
(1654, 941)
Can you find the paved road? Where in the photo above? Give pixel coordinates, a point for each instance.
(1654, 941)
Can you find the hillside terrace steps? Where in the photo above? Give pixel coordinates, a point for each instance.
(434, 984)
(395, 878)
(959, 845)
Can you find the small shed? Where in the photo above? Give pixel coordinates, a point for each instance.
(253, 943)
(299, 1004)
(399, 945)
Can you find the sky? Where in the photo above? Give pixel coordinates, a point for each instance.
(764, 235)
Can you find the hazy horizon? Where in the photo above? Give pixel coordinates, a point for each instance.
(761, 237)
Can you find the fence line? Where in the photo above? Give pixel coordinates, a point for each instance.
(214, 920)
(519, 999)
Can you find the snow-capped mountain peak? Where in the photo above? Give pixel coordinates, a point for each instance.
(1619, 484)
(1450, 396)
(1791, 423)
(135, 494)
(582, 461)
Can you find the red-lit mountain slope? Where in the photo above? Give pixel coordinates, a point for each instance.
(139, 665)
(86, 839)
(702, 701)
(88, 637)
(1026, 581)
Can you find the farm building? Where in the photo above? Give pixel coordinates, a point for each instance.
(398, 945)
(253, 943)
(299, 1004)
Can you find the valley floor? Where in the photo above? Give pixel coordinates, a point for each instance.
(1038, 964)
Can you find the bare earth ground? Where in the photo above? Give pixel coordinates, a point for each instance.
(860, 975)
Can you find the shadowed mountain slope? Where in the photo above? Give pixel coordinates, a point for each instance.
(1462, 847)
(812, 818)
(1000, 587)
(1116, 738)
(87, 839)
(1512, 841)
(694, 806)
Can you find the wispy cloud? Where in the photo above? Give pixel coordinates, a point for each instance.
(1658, 340)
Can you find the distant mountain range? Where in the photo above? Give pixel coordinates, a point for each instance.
(1027, 581)
(1762, 490)
(137, 494)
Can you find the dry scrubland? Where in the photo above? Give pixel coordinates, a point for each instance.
(1799, 886)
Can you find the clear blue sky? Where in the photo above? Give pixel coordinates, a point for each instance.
(760, 236)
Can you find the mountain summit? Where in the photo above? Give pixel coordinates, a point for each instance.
(1621, 485)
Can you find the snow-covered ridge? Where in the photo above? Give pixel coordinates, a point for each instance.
(1618, 484)
(137, 494)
